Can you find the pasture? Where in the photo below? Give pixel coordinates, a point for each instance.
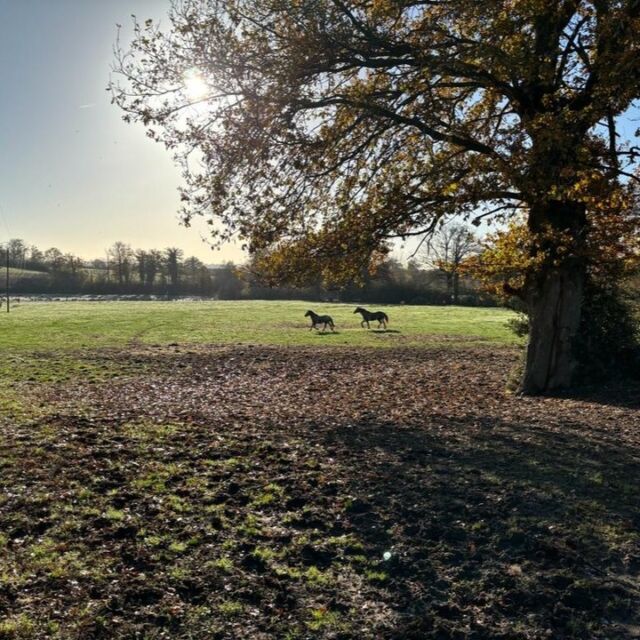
(216, 470)
(75, 325)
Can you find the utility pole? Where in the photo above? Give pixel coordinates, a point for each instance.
(7, 288)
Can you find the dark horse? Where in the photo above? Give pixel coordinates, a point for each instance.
(316, 320)
(380, 316)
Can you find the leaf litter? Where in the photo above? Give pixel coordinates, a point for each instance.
(267, 492)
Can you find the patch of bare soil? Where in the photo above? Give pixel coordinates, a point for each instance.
(254, 493)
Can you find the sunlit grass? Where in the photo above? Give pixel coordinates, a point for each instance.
(76, 325)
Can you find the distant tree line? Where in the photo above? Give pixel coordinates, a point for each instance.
(393, 283)
(122, 271)
(431, 278)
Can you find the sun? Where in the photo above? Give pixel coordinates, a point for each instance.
(195, 85)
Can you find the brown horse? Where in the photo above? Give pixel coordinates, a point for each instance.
(317, 320)
(380, 316)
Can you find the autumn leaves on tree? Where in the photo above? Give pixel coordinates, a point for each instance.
(324, 128)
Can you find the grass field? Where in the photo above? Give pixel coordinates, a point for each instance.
(215, 471)
(73, 325)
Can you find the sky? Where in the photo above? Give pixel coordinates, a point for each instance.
(72, 174)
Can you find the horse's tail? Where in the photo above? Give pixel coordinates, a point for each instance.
(331, 323)
(386, 317)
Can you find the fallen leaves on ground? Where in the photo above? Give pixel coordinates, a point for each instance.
(256, 492)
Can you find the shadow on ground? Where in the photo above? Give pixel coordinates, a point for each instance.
(506, 524)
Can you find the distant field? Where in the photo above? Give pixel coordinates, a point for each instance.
(72, 325)
(16, 273)
(22, 275)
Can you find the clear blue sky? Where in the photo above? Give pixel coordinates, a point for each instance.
(72, 174)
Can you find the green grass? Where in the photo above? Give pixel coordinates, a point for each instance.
(46, 326)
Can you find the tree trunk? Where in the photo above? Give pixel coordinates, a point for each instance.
(554, 299)
(554, 321)
(449, 286)
(456, 287)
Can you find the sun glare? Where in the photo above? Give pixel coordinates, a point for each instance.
(194, 84)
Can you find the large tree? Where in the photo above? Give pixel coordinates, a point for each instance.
(318, 129)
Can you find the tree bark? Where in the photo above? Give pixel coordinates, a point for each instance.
(449, 279)
(554, 299)
(456, 287)
(554, 322)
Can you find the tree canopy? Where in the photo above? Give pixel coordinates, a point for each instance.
(351, 122)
